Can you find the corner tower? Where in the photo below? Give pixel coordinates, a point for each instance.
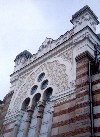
(84, 17)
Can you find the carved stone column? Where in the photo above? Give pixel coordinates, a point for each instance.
(28, 121)
(41, 107)
(17, 125)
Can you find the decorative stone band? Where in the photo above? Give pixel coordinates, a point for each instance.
(85, 56)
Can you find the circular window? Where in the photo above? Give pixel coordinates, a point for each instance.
(34, 89)
(41, 76)
(44, 84)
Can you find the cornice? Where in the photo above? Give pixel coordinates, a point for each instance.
(60, 47)
(84, 54)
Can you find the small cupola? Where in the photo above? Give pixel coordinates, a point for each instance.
(21, 59)
(84, 17)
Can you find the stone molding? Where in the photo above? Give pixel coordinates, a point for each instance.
(64, 45)
(84, 54)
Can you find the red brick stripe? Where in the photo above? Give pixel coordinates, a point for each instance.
(9, 130)
(97, 129)
(82, 84)
(81, 75)
(82, 94)
(97, 103)
(81, 68)
(96, 92)
(72, 120)
(78, 95)
(84, 89)
(73, 133)
(81, 65)
(71, 109)
(96, 116)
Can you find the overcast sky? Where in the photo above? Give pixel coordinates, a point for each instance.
(24, 25)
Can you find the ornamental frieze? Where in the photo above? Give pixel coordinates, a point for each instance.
(56, 74)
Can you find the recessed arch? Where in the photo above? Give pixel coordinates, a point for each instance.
(25, 104)
(41, 76)
(33, 90)
(35, 99)
(44, 84)
(47, 93)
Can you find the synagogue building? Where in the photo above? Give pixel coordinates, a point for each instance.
(56, 92)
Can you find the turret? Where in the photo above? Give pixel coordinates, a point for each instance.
(84, 17)
(21, 59)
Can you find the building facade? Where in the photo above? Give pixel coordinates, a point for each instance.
(56, 92)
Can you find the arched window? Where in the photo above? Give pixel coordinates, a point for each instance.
(33, 90)
(36, 98)
(25, 104)
(41, 76)
(33, 123)
(44, 84)
(45, 130)
(47, 93)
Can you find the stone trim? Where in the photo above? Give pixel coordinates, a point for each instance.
(83, 55)
(58, 46)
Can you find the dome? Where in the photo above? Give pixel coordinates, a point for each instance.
(25, 54)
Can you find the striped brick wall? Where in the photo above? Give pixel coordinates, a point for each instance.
(72, 118)
(6, 102)
(96, 98)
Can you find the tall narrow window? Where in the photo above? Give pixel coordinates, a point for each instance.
(25, 104)
(45, 130)
(33, 123)
(41, 76)
(33, 90)
(44, 84)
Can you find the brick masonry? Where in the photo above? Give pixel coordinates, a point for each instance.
(72, 118)
(96, 99)
(5, 105)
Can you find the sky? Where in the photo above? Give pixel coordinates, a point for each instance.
(24, 25)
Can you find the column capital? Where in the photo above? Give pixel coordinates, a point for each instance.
(41, 104)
